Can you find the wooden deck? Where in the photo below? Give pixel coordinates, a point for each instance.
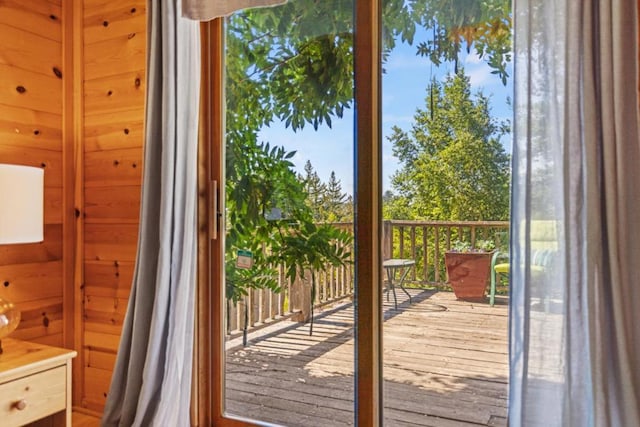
(445, 364)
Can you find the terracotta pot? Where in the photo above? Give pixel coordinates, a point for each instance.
(468, 274)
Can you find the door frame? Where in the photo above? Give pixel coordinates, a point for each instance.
(208, 383)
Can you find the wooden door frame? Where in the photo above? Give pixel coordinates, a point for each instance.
(208, 389)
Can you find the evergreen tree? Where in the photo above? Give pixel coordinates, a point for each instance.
(336, 203)
(453, 166)
(315, 189)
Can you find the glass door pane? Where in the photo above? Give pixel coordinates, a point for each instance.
(446, 148)
(289, 356)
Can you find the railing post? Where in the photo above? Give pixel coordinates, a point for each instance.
(387, 240)
(301, 298)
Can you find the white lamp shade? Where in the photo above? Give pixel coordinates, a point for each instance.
(21, 204)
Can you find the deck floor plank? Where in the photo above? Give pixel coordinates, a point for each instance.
(445, 365)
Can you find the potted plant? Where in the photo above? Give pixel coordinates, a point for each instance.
(469, 268)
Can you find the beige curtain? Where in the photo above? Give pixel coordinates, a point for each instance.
(205, 10)
(575, 327)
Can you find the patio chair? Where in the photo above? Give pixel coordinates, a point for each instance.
(543, 248)
(498, 270)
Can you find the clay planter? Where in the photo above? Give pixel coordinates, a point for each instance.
(468, 274)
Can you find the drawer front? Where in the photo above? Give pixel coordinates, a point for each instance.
(30, 398)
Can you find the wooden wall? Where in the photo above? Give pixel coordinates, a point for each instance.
(84, 125)
(31, 107)
(113, 59)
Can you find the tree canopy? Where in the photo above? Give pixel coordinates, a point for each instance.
(327, 201)
(294, 63)
(453, 166)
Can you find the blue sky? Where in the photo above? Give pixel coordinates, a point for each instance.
(404, 90)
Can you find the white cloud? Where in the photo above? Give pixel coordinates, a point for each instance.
(400, 61)
(480, 76)
(472, 58)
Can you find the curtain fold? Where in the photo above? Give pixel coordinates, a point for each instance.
(151, 382)
(575, 327)
(205, 10)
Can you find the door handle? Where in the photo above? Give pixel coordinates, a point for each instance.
(214, 209)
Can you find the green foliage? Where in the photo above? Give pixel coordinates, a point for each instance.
(485, 25)
(326, 200)
(294, 63)
(337, 205)
(311, 247)
(259, 179)
(315, 189)
(453, 166)
(268, 182)
(479, 246)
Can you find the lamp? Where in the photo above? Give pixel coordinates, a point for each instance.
(21, 221)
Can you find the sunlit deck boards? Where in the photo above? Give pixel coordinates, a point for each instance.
(445, 364)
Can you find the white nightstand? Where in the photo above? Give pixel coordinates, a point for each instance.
(35, 384)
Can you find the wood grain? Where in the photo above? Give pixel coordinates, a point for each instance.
(30, 128)
(120, 19)
(123, 54)
(111, 242)
(108, 277)
(113, 94)
(37, 17)
(103, 204)
(117, 130)
(113, 168)
(445, 364)
(28, 89)
(113, 66)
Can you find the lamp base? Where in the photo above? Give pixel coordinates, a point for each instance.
(9, 319)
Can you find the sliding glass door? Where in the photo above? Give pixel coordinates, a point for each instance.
(288, 184)
(322, 241)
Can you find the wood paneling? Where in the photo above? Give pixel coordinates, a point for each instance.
(29, 128)
(115, 18)
(114, 94)
(111, 57)
(31, 77)
(37, 17)
(114, 61)
(17, 54)
(72, 84)
(104, 205)
(49, 250)
(113, 168)
(26, 282)
(111, 275)
(121, 129)
(110, 242)
(30, 90)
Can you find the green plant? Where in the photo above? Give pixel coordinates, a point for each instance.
(479, 246)
(311, 248)
(261, 180)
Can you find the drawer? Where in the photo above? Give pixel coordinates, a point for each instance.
(43, 394)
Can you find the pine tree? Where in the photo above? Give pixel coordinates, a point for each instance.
(336, 206)
(315, 189)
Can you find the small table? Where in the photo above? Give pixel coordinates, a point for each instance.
(35, 383)
(392, 266)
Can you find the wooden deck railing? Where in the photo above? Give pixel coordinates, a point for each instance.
(263, 307)
(423, 241)
(427, 241)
